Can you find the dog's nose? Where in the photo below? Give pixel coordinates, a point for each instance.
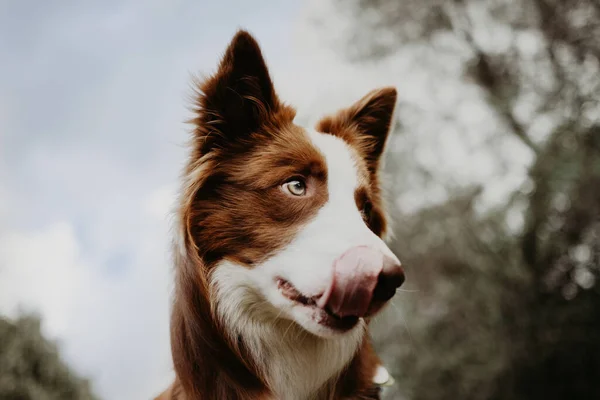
(389, 280)
(363, 279)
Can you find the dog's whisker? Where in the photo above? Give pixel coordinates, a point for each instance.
(407, 290)
(279, 313)
(288, 328)
(403, 320)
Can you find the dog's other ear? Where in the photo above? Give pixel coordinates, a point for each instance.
(237, 99)
(365, 124)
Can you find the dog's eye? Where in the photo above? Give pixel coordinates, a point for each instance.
(295, 187)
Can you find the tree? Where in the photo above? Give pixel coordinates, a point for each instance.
(31, 367)
(503, 310)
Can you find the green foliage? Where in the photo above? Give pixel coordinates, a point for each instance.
(31, 367)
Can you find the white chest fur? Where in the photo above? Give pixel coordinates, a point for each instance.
(295, 363)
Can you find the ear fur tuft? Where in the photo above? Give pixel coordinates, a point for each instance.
(237, 99)
(366, 123)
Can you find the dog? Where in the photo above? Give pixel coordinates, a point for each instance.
(279, 258)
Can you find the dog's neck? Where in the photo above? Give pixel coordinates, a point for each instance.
(297, 365)
(292, 362)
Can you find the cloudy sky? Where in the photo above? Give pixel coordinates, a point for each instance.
(93, 99)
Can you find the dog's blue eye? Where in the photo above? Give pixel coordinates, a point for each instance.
(295, 187)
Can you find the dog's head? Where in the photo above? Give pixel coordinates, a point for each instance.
(287, 221)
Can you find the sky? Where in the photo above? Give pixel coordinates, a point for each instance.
(93, 102)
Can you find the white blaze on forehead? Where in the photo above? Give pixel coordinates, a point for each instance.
(342, 169)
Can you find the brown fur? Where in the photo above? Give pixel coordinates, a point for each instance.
(244, 147)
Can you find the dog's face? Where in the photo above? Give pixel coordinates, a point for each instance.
(288, 221)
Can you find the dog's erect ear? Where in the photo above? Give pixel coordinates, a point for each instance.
(238, 98)
(365, 124)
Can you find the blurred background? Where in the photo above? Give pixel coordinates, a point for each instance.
(492, 171)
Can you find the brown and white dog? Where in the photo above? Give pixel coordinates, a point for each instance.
(279, 259)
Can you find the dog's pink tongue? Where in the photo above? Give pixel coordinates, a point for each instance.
(355, 276)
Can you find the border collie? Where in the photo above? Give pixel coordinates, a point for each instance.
(279, 257)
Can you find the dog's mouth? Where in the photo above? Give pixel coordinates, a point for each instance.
(322, 316)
